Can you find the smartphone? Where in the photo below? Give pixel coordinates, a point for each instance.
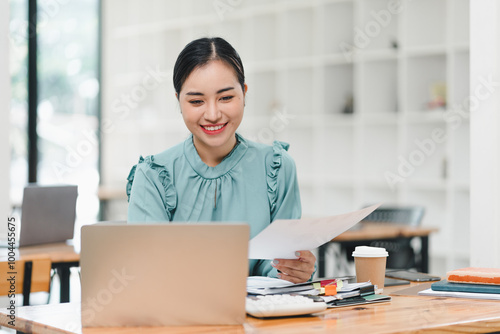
(412, 276)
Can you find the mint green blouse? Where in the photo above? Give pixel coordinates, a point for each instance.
(254, 183)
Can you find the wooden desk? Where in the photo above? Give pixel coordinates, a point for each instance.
(402, 314)
(63, 257)
(369, 232)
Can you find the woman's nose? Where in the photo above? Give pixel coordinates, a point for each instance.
(212, 113)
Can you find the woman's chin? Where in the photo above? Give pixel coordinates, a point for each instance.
(218, 141)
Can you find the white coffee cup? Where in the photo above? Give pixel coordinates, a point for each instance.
(370, 265)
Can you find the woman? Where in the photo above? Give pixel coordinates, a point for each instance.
(216, 174)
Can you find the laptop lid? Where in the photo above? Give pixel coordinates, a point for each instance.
(48, 214)
(163, 274)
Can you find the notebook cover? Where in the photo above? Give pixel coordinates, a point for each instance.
(475, 275)
(444, 285)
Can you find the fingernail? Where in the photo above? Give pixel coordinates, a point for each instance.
(276, 261)
(297, 254)
(279, 275)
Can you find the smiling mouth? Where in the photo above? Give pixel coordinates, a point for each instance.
(213, 127)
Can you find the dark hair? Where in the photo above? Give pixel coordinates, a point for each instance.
(201, 51)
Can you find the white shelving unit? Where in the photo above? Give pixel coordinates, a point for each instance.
(298, 63)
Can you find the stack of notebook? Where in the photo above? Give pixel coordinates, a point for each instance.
(482, 283)
(348, 294)
(336, 292)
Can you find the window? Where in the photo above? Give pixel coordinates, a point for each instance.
(19, 107)
(68, 98)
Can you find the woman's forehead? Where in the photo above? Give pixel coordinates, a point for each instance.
(213, 76)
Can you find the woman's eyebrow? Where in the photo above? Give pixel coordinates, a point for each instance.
(194, 93)
(224, 90)
(218, 92)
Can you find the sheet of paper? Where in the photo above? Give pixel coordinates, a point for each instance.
(430, 292)
(282, 238)
(354, 286)
(261, 282)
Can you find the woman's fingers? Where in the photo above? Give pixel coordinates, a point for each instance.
(296, 270)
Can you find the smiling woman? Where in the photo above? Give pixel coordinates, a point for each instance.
(216, 174)
(211, 113)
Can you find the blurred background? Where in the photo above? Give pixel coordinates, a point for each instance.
(372, 95)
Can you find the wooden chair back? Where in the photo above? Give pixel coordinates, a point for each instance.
(30, 273)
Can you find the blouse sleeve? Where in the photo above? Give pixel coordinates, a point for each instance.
(284, 196)
(282, 185)
(151, 193)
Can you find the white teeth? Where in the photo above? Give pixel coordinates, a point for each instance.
(213, 128)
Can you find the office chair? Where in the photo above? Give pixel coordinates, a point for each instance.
(33, 274)
(402, 255)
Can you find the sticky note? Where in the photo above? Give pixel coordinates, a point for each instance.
(330, 290)
(327, 281)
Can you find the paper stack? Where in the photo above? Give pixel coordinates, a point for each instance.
(336, 292)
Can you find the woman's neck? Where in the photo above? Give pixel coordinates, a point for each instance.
(212, 156)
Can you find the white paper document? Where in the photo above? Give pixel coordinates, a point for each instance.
(474, 295)
(261, 282)
(282, 238)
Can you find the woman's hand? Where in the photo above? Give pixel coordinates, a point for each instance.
(298, 270)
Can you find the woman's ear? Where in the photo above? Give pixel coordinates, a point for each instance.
(244, 94)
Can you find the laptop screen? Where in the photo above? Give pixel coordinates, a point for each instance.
(48, 214)
(163, 274)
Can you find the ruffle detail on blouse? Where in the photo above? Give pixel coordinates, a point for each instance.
(131, 176)
(272, 174)
(170, 196)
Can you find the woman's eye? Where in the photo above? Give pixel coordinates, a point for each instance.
(226, 98)
(196, 102)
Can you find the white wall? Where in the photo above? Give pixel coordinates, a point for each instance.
(294, 66)
(485, 133)
(5, 113)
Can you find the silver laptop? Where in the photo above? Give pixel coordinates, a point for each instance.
(163, 274)
(47, 214)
